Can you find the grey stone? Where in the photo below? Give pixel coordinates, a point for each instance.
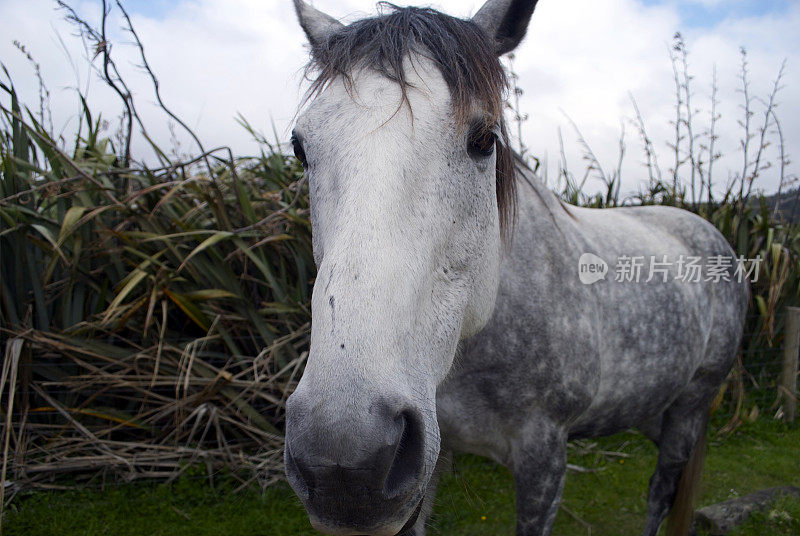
(719, 519)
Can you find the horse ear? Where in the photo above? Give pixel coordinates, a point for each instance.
(506, 21)
(318, 26)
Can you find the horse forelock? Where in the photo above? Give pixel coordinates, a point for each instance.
(459, 48)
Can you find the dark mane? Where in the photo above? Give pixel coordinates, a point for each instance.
(460, 49)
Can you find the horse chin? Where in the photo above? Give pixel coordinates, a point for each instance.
(413, 519)
(387, 529)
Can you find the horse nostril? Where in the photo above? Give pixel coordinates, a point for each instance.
(298, 475)
(407, 465)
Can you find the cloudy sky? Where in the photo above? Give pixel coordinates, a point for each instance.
(582, 58)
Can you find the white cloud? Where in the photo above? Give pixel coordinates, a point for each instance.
(709, 3)
(215, 58)
(584, 56)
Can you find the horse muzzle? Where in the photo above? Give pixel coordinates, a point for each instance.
(357, 474)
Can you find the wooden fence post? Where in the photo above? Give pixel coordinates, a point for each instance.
(791, 349)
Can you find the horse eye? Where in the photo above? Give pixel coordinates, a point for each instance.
(299, 152)
(481, 142)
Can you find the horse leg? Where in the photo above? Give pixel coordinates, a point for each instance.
(681, 447)
(539, 466)
(651, 429)
(419, 528)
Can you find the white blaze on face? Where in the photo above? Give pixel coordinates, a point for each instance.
(406, 235)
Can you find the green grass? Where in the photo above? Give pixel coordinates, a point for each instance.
(477, 498)
(189, 507)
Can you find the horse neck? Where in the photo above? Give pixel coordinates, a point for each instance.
(538, 205)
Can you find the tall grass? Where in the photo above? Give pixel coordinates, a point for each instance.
(152, 317)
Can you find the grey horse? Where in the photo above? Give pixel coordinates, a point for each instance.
(451, 310)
